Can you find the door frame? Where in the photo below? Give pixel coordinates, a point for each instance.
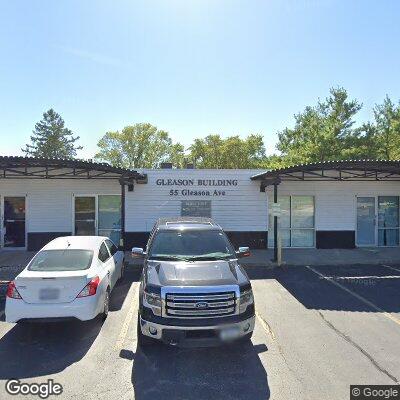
(375, 197)
(376, 227)
(96, 204)
(2, 197)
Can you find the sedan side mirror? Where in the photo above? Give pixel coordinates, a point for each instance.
(243, 252)
(138, 252)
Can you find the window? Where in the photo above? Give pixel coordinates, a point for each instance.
(188, 244)
(103, 253)
(196, 208)
(296, 223)
(388, 220)
(61, 260)
(112, 247)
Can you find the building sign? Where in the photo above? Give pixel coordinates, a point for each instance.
(197, 187)
(196, 208)
(275, 209)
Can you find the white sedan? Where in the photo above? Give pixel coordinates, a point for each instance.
(70, 277)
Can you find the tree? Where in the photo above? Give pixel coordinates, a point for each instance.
(387, 125)
(51, 139)
(232, 152)
(364, 143)
(322, 132)
(138, 146)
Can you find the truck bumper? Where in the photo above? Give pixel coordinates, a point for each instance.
(196, 336)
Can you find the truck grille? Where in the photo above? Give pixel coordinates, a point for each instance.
(200, 305)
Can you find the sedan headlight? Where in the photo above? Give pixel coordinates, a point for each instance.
(246, 298)
(152, 301)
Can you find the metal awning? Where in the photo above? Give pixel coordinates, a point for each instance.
(346, 170)
(56, 168)
(332, 171)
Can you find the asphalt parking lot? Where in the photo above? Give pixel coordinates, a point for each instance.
(318, 330)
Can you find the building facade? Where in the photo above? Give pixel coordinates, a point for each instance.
(331, 205)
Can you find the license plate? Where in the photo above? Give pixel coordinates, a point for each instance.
(49, 294)
(229, 333)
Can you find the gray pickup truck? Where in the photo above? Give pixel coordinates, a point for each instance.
(193, 292)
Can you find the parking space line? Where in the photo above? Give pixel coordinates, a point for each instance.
(357, 296)
(131, 311)
(392, 268)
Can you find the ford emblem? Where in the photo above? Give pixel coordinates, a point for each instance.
(201, 305)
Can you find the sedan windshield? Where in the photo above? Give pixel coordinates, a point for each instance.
(191, 245)
(61, 260)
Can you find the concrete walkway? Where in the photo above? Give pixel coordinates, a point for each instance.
(367, 256)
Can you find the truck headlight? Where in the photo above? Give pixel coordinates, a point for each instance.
(152, 301)
(246, 298)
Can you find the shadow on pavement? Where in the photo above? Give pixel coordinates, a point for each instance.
(377, 284)
(122, 287)
(32, 350)
(164, 372)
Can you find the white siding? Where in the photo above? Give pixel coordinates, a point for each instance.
(335, 202)
(49, 202)
(243, 208)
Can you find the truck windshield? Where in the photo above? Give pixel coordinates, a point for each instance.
(61, 260)
(191, 245)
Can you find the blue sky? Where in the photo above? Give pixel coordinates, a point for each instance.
(191, 67)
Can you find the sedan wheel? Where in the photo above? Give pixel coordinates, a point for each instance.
(106, 304)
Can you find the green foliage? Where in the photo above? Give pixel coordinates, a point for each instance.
(322, 132)
(387, 127)
(138, 146)
(51, 139)
(232, 152)
(326, 132)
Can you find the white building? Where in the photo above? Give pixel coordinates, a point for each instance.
(330, 205)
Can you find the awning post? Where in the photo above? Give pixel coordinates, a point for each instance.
(122, 240)
(275, 259)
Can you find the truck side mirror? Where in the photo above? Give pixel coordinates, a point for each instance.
(138, 252)
(243, 252)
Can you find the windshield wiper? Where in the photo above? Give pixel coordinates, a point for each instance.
(209, 257)
(167, 258)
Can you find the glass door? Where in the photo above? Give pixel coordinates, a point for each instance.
(109, 217)
(14, 221)
(388, 221)
(85, 215)
(366, 221)
(98, 215)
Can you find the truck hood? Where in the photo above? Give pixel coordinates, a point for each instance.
(197, 273)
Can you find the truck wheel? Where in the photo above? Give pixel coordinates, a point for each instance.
(143, 340)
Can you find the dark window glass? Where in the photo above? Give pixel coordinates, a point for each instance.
(112, 247)
(61, 260)
(187, 244)
(103, 253)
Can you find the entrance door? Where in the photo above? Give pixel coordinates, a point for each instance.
(85, 215)
(14, 221)
(98, 215)
(366, 235)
